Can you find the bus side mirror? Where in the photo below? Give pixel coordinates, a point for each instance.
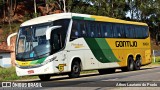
(9, 38)
(49, 30)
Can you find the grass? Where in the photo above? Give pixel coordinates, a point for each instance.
(89, 71)
(157, 60)
(9, 74)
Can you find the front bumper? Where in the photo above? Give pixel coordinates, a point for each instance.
(45, 69)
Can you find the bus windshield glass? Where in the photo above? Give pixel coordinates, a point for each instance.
(32, 43)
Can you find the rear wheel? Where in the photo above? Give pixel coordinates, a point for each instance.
(137, 63)
(130, 65)
(44, 77)
(75, 70)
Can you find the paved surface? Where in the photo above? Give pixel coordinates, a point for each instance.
(94, 81)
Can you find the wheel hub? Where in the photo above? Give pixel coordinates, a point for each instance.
(75, 69)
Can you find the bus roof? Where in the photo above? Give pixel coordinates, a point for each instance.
(49, 18)
(104, 19)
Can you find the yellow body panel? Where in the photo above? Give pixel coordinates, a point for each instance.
(122, 51)
(108, 19)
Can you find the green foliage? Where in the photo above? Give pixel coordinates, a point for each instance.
(1, 2)
(157, 60)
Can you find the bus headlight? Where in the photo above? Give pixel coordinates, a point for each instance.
(49, 60)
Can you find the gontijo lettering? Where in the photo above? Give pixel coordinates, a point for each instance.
(126, 43)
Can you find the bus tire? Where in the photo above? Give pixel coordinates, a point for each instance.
(75, 70)
(137, 63)
(130, 65)
(44, 77)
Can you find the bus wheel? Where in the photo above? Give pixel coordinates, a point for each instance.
(130, 65)
(137, 63)
(44, 77)
(75, 70)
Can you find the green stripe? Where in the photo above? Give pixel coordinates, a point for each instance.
(91, 19)
(101, 50)
(38, 61)
(107, 51)
(83, 18)
(92, 43)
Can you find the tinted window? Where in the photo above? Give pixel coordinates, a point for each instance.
(117, 30)
(129, 31)
(132, 32)
(92, 29)
(75, 32)
(58, 36)
(122, 32)
(145, 32)
(98, 29)
(82, 29)
(139, 32)
(106, 30)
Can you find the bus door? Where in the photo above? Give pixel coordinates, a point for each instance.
(57, 45)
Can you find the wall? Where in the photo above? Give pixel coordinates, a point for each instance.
(12, 48)
(5, 61)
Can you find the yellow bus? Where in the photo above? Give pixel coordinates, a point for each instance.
(71, 42)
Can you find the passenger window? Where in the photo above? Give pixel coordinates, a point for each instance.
(88, 29)
(127, 33)
(132, 32)
(122, 32)
(145, 32)
(139, 32)
(98, 30)
(117, 31)
(82, 29)
(103, 30)
(106, 30)
(74, 31)
(92, 34)
(92, 29)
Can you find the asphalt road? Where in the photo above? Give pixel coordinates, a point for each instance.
(119, 80)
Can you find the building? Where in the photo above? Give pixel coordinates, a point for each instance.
(7, 53)
(5, 58)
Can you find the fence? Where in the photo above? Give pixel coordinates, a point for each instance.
(155, 54)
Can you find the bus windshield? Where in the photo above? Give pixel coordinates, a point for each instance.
(32, 43)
